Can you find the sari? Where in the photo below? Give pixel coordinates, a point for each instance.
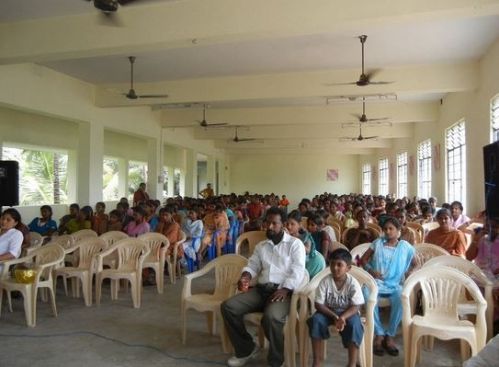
(453, 240)
(314, 261)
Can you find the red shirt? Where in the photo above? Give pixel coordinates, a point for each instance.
(255, 211)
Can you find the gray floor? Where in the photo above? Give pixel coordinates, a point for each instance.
(115, 334)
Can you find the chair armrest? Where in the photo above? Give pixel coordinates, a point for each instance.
(8, 263)
(100, 257)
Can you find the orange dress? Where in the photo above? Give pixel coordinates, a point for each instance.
(453, 240)
(173, 233)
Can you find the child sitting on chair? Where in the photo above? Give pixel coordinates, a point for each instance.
(337, 301)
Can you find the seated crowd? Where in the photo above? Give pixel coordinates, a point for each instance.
(320, 232)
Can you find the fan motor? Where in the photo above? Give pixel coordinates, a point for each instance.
(107, 6)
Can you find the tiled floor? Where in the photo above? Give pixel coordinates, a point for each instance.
(115, 334)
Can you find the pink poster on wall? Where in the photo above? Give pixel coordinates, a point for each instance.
(332, 174)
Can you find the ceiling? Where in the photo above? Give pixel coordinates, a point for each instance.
(262, 65)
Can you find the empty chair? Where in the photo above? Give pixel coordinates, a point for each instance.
(307, 299)
(441, 288)
(418, 228)
(111, 238)
(253, 238)
(131, 254)
(36, 241)
(88, 248)
(479, 277)
(227, 272)
(158, 245)
(43, 261)
(83, 233)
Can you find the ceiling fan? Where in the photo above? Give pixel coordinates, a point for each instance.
(109, 8)
(358, 138)
(364, 120)
(131, 93)
(364, 79)
(237, 139)
(202, 123)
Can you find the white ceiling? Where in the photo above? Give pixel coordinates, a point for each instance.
(215, 68)
(387, 46)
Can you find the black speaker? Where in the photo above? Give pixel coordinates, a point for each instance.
(9, 183)
(491, 173)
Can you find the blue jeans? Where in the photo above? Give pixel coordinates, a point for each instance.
(318, 326)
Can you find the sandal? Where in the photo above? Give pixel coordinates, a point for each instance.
(390, 349)
(378, 349)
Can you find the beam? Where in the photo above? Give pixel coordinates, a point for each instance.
(407, 80)
(197, 22)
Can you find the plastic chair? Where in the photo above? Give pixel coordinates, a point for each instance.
(307, 300)
(36, 241)
(253, 238)
(290, 327)
(420, 233)
(88, 248)
(427, 251)
(83, 233)
(230, 245)
(359, 250)
(227, 272)
(174, 263)
(472, 270)
(131, 254)
(376, 227)
(158, 246)
(44, 260)
(304, 222)
(427, 227)
(336, 245)
(111, 238)
(442, 287)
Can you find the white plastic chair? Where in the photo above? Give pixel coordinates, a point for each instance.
(427, 251)
(83, 233)
(253, 238)
(359, 250)
(442, 287)
(111, 238)
(227, 273)
(131, 254)
(158, 245)
(44, 260)
(36, 241)
(307, 300)
(174, 263)
(472, 270)
(418, 228)
(88, 248)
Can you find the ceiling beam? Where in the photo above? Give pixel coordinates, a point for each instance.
(406, 80)
(199, 22)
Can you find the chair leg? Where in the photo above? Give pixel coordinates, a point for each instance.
(52, 300)
(465, 349)
(135, 295)
(29, 304)
(87, 296)
(210, 316)
(362, 354)
(9, 301)
(159, 279)
(413, 350)
(114, 289)
(98, 288)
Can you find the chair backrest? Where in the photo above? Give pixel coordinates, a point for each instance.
(83, 233)
(304, 222)
(112, 237)
(430, 226)
(253, 238)
(227, 273)
(46, 257)
(419, 230)
(36, 239)
(131, 253)
(87, 249)
(375, 227)
(154, 242)
(65, 241)
(359, 250)
(442, 288)
(427, 251)
(463, 265)
(336, 245)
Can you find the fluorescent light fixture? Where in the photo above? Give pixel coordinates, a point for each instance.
(367, 97)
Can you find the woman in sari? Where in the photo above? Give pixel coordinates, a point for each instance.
(388, 260)
(446, 236)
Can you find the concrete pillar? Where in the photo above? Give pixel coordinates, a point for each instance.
(90, 158)
(154, 186)
(210, 172)
(122, 177)
(190, 173)
(171, 178)
(72, 175)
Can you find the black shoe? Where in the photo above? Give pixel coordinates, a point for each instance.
(391, 350)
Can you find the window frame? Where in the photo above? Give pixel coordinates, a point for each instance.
(402, 172)
(383, 176)
(494, 119)
(366, 178)
(425, 160)
(455, 171)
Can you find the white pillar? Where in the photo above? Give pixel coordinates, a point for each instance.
(122, 178)
(191, 173)
(90, 158)
(171, 178)
(210, 172)
(154, 188)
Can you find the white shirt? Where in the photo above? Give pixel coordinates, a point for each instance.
(11, 242)
(339, 300)
(330, 231)
(194, 228)
(282, 264)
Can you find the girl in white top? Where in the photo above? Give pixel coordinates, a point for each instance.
(10, 238)
(193, 227)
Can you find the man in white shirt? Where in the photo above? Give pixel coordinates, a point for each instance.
(279, 265)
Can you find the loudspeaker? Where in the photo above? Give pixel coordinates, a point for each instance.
(9, 183)
(491, 173)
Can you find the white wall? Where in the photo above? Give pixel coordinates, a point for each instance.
(296, 176)
(474, 108)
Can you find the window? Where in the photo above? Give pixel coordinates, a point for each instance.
(383, 177)
(137, 173)
(366, 179)
(110, 179)
(402, 175)
(455, 143)
(494, 119)
(176, 181)
(43, 173)
(424, 169)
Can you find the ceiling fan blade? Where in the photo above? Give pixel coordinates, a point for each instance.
(177, 126)
(125, 2)
(215, 125)
(335, 84)
(349, 124)
(153, 96)
(347, 138)
(378, 119)
(369, 137)
(380, 83)
(356, 115)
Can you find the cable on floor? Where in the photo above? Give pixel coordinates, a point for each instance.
(73, 333)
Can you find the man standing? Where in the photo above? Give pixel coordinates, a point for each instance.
(140, 196)
(207, 192)
(279, 264)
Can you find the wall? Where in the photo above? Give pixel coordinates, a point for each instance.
(296, 176)
(474, 108)
(129, 147)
